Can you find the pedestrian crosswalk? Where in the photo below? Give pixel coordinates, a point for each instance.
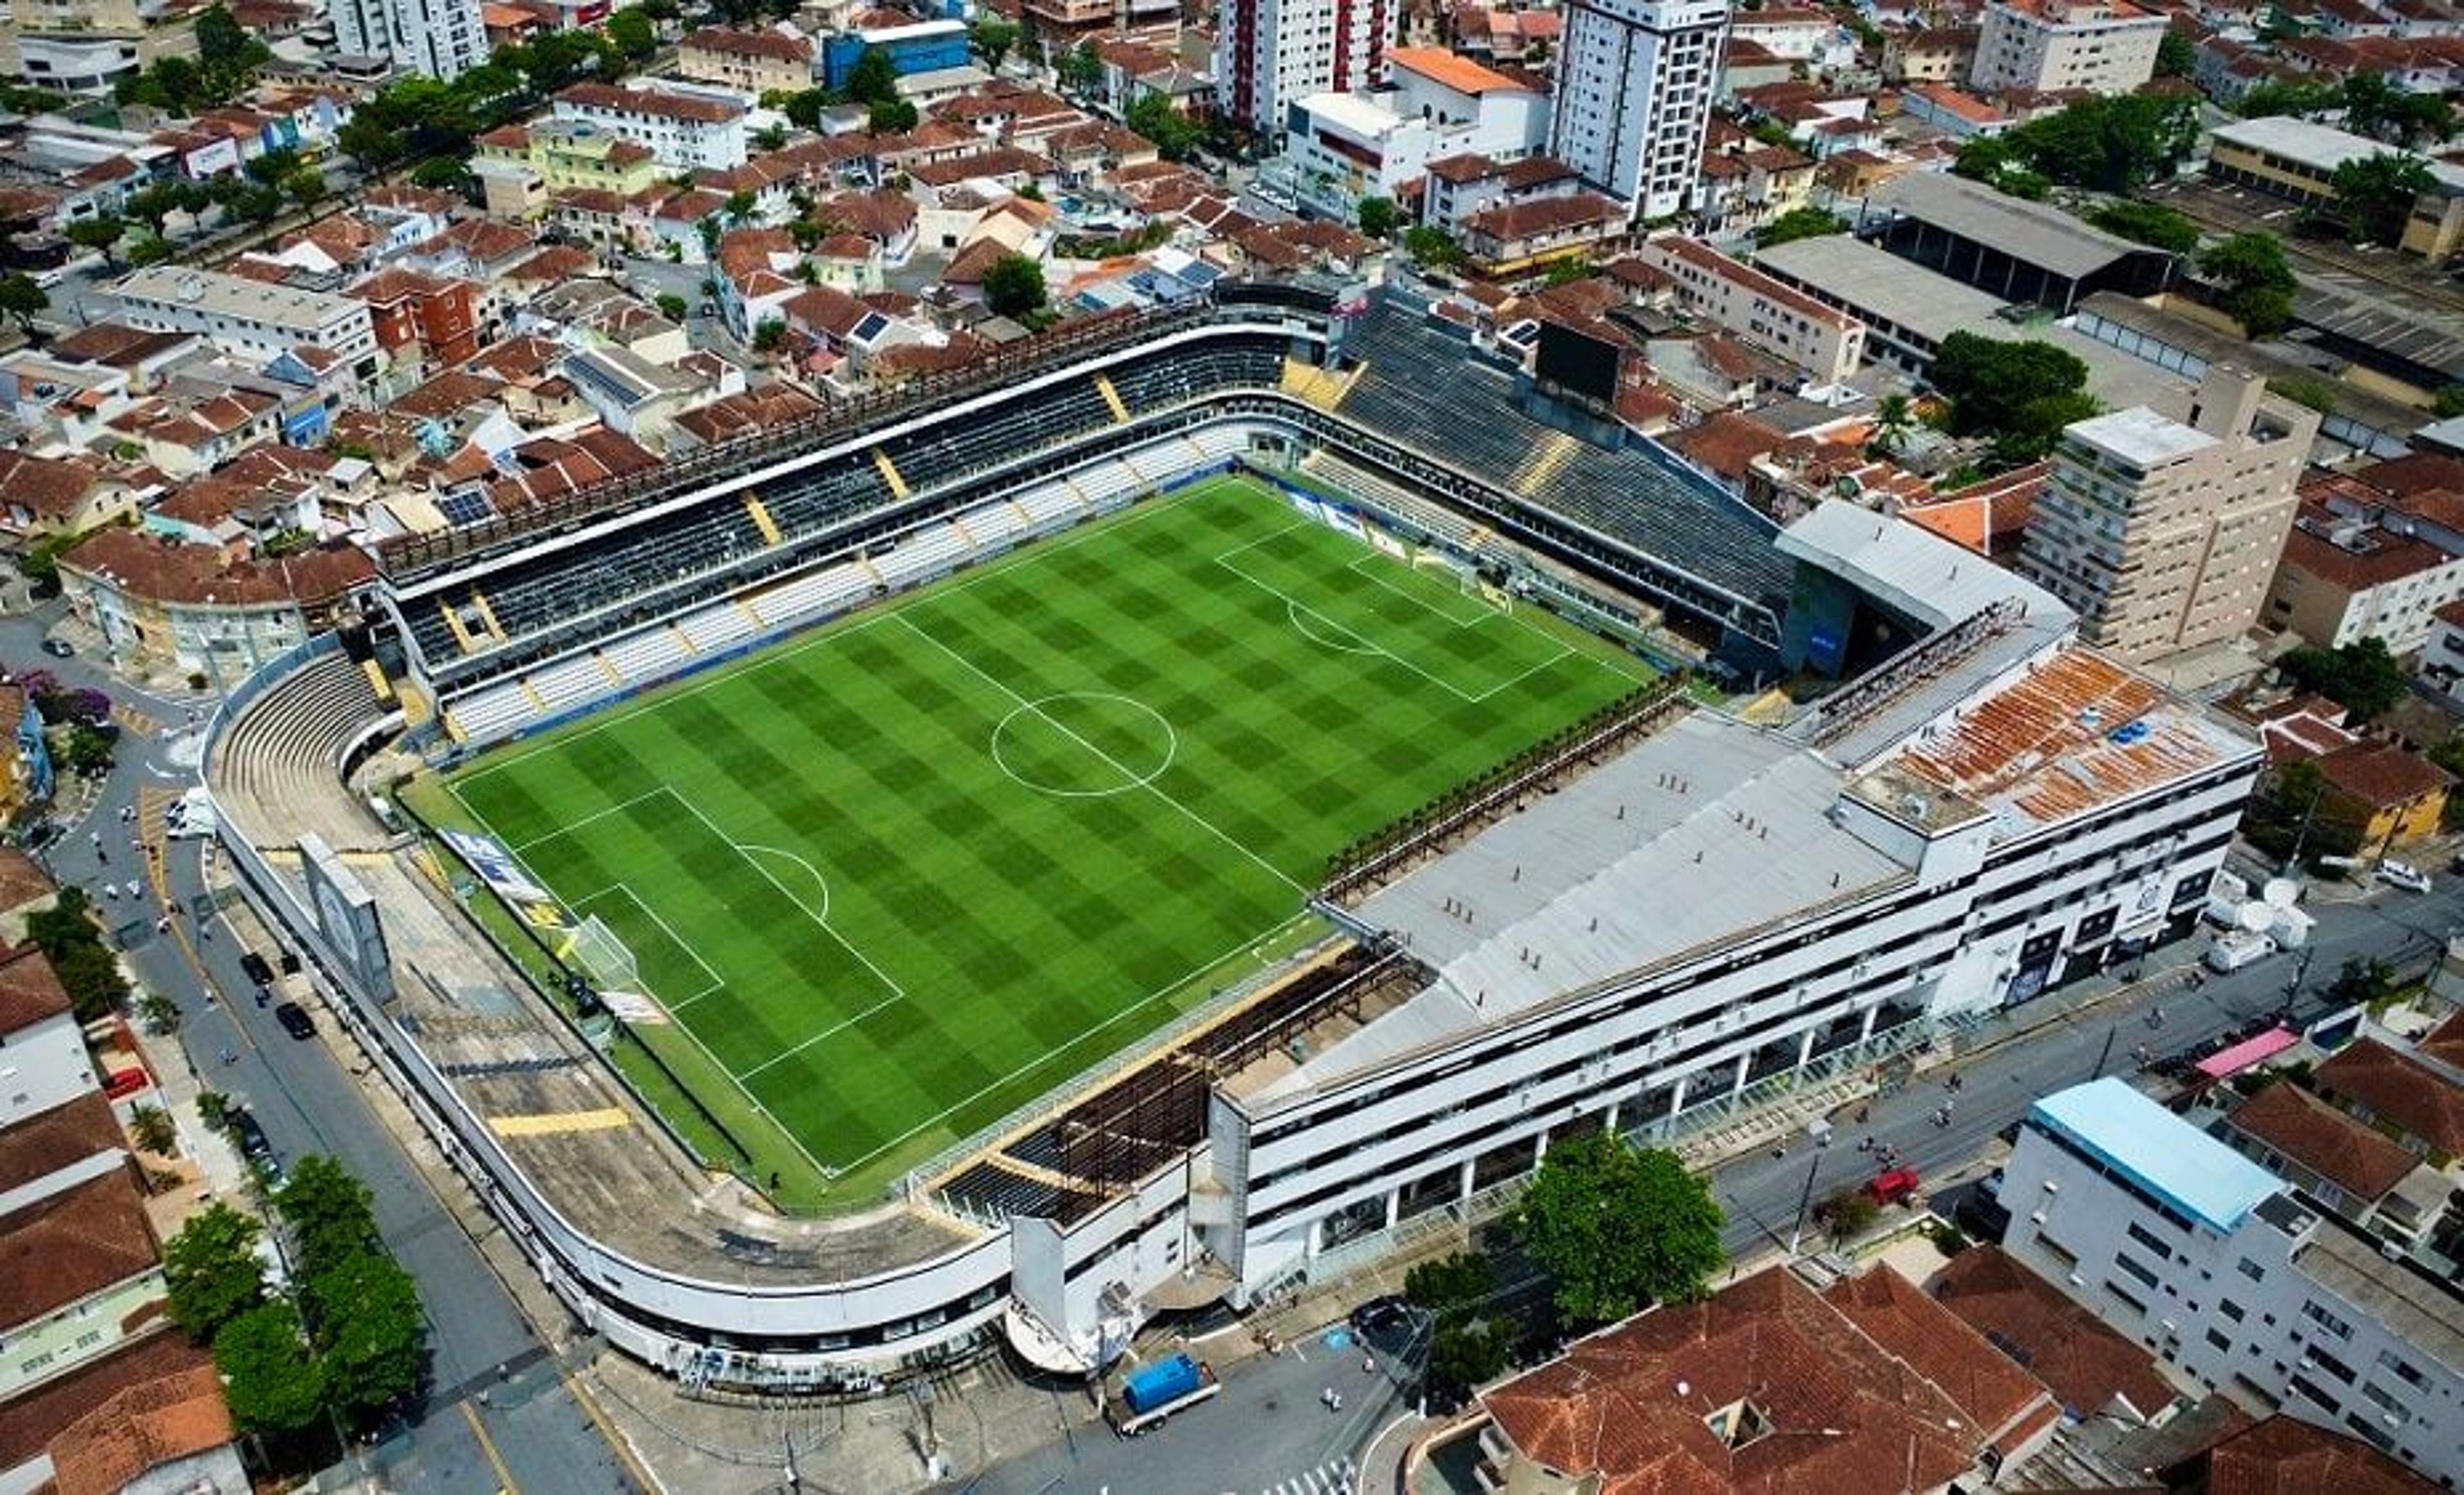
(1335, 1477)
(135, 721)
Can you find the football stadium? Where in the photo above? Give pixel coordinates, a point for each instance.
(1180, 809)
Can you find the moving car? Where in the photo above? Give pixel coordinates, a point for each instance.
(294, 1020)
(1381, 1313)
(2404, 875)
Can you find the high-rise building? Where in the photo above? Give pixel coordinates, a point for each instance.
(2104, 46)
(1635, 82)
(1269, 53)
(442, 39)
(2165, 534)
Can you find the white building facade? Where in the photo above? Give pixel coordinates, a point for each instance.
(2186, 1246)
(1636, 79)
(1270, 53)
(2104, 46)
(249, 319)
(1342, 147)
(441, 39)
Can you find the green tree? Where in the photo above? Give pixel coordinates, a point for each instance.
(2175, 56)
(150, 1127)
(1081, 69)
(2284, 97)
(672, 307)
(993, 38)
(2379, 109)
(1432, 246)
(1800, 223)
(152, 251)
(873, 79)
(2018, 394)
(2449, 403)
(1454, 1284)
(771, 138)
(160, 1012)
(102, 231)
(70, 941)
(1377, 216)
(2374, 196)
(328, 1213)
(442, 174)
(1894, 416)
(369, 1333)
(742, 205)
(211, 1271)
(2316, 394)
(1014, 285)
(1617, 1228)
(1176, 135)
(269, 167)
(2147, 223)
(153, 205)
(1850, 1213)
(2362, 677)
(22, 301)
(214, 1110)
(306, 187)
(804, 109)
(630, 30)
(769, 336)
(2362, 981)
(890, 116)
(270, 1382)
(2254, 285)
(1468, 1352)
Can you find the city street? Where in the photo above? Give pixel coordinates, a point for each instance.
(528, 1434)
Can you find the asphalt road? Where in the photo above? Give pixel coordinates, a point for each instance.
(309, 1103)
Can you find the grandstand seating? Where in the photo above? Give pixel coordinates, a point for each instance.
(285, 750)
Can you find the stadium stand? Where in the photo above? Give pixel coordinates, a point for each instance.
(278, 761)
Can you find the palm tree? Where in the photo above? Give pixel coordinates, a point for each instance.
(1893, 415)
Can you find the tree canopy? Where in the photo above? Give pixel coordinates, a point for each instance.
(269, 1380)
(2151, 224)
(368, 1332)
(2362, 677)
(2373, 197)
(2110, 143)
(1176, 135)
(22, 300)
(1379, 216)
(2254, 285)
(1014, 285)
(2020, 394)
(2365, 104)
(328, 1212)
(993, 37)
(1800, 223)
(873, 79)
(1617, 1228)
(213, 1271)
(72, 943)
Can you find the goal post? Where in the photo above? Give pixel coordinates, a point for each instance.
(602, 957)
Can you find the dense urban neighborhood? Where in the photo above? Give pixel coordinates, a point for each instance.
(1185, 746)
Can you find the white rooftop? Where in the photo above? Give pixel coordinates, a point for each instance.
(1910, 568)
(254, 303)
(2323, 146)
(2140, 437)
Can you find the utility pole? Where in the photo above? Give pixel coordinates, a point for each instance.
(1804, 1200)
(2103, 1054)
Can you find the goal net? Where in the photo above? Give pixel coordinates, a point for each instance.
(601, 956)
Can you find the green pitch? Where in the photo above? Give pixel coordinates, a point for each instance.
(894, 879)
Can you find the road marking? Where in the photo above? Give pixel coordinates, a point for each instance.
(488, 1446)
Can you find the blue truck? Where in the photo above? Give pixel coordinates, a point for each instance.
(1152, 1393)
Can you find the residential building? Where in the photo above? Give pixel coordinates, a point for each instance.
(89, 45)
(249, 319)
(1724, 1398)
(522, 167)
(1936, 55)
(2297, 160)
(2377, 798)
(2350, 575)
(2337, 1161)
(43, 497)
(2094, 1372)
(1823, 344)
(750, 62)
(1634, 85)
(434, 315)
(2165, 534)
(196, 609)
(46, 1062)
(1270, 53)
(2103, 45)
(913, 49)
(2218, 1266)
(1955, 112)
(1454, 188)
(438, 38)
(684, 131)
(1344, 146)
(2441, 664)
(1524, 239)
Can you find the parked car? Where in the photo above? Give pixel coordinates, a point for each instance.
(256, 968)
(253, 1147)
(2404, 875)
(1892, 1185)
(58, 648)
(1381, 1313)
(294, 1020)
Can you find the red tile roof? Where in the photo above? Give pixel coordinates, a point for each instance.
(2324, 1140)
(72, 1244)
(144, 1427)
(774, 45)
(29, 1420)
(2394, 1086)
(204, 574)
(2282, 1455)
(51, 1140)
(29, 991)
(2086, 1364)
(2381, 775)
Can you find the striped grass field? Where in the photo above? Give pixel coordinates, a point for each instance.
(894, 878)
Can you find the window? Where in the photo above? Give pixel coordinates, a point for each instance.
(2139, 1232)
(2326, 1320)
(2124, 1295)
(2230, 1310)
(2252, 1270)
(2132, 1267)
(2389, 1359)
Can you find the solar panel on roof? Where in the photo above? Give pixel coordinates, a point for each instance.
(1200, 273)
(463, 508)
(870, 328)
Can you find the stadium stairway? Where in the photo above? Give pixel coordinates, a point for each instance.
(294, 732)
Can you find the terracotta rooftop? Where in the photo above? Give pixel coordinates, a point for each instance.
(449, 393)
(72, 1244)
(1727, 443)
(2282, 1455)
(752, 410)
(2387, 556)
(2324, 1140)
(204, 575)
(657, 102)
(2383, 775)
(1459, 73)
(2397, 1088)
(2445, 1042)
(1508, 222)
(51, 488)
(29, 1420)
(2086, 1364)
(144, 1427)
(51, 1140)
(776, 46)
(1641, 1409)
(29, 991)
(22, 879)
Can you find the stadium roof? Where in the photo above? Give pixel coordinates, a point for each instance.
(1696, 836)
(2041, 236)
(2159, 1152)
(1912, 569)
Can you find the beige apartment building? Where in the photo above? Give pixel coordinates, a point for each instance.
(1822, 342)
(2104, 46)
(752, 62)
(2165, 534)
(87, 46)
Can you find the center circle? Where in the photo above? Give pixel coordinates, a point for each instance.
(1084, 744)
